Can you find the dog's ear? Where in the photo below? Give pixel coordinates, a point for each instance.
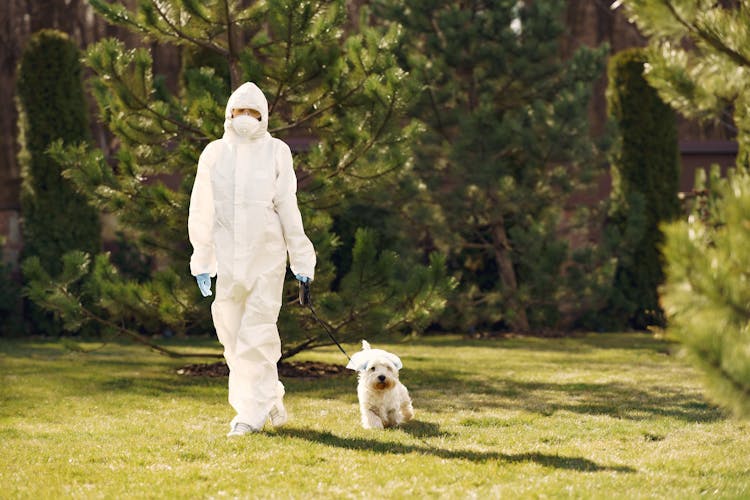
(359, 361)
(365, 345)
(395, 360)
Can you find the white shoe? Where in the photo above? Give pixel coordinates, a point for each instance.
(278, 414)
(240, 429)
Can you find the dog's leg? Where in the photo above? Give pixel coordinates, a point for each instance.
(394, 419)
(370, 420)
(407, 410)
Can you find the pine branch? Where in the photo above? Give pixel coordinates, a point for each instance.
(367, 146)
(181, 35)
(118, 17)
(196, 11)
(435, 111)
(320, 111)
(711, 39)
(382, 173)
(287, 56)
(130, 333)
(302, 346)
(313, 75)
(479, 246)
(145, 106)
(356, 313)
(706, 357)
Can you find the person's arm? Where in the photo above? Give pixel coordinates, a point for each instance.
(301, 251)
(201, 218)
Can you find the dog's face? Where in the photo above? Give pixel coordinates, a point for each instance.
(380, 374)
(378, 369)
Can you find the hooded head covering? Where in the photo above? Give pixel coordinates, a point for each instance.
(247, 96)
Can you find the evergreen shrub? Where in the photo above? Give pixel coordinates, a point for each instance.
(645, 182)
(52, 107)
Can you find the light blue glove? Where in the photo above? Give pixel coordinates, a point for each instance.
(204, 283)
(302, 278)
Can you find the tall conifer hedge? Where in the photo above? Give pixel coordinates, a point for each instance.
(52, 107)
(645, 182)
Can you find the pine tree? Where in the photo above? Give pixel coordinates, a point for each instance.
(698, 61)
(645, 182)
(707, 290)
(506, 142)
(52, 107)
(342, 90)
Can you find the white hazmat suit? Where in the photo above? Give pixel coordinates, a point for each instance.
(243, 221)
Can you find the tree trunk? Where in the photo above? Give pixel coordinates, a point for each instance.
(234, 46)
(235, 73)
(518, 322)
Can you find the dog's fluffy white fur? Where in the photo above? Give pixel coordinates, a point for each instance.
(383, 400)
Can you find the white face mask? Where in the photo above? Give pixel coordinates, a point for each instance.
(245, 126)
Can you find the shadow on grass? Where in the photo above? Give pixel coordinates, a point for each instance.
(618, 400)
(421, 429)
(385, 447)
(443, 390)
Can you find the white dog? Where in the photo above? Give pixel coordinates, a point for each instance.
(383, 400)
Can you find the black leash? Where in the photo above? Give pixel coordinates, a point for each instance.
(304, 300)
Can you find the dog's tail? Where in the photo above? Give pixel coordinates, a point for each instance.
(365, 344)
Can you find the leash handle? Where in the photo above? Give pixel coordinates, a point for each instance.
(304, 293)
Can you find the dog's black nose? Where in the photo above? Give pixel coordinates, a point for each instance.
(381, 378)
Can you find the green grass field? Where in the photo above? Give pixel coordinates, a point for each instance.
(598, 416)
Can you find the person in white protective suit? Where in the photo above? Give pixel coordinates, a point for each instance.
(243, 221)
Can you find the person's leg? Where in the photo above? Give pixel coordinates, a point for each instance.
(254, 384)
(227, 312)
